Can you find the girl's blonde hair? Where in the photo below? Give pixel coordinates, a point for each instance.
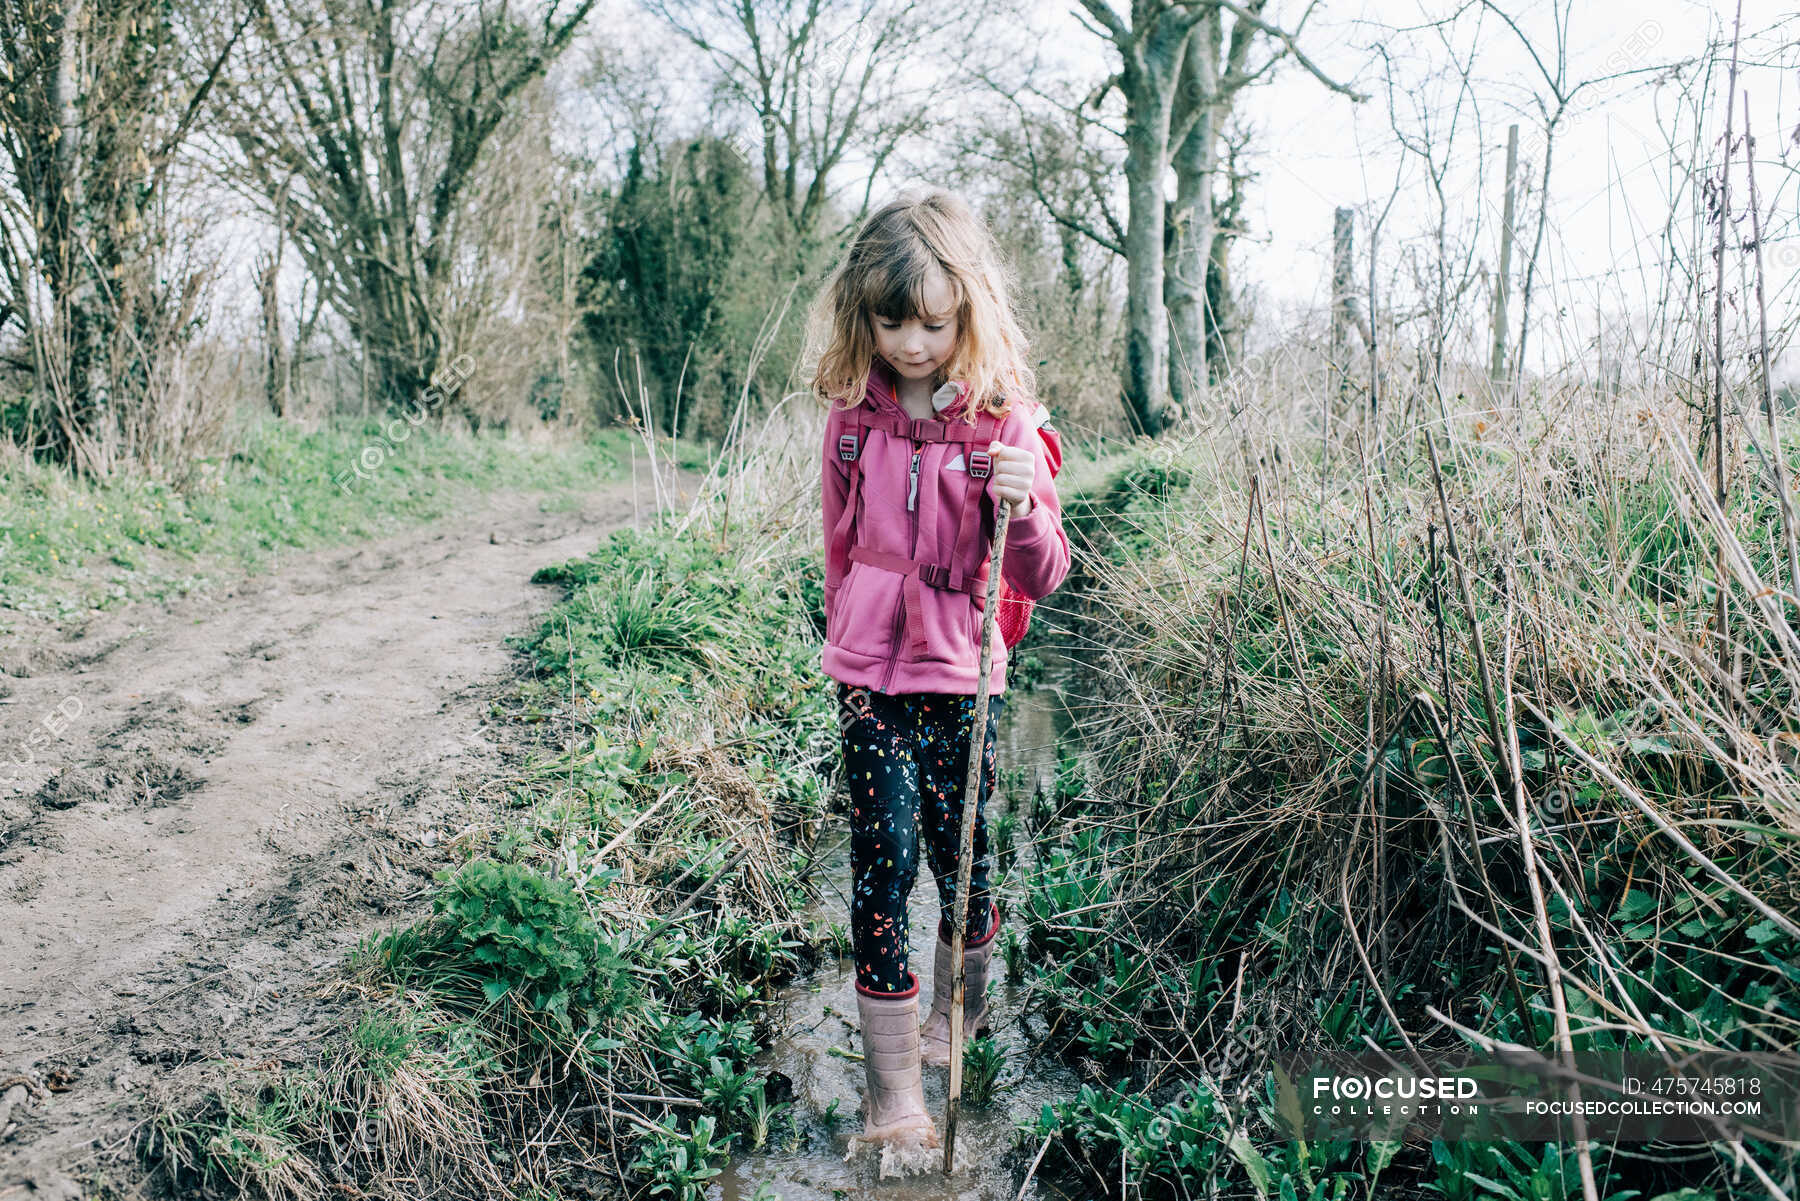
(884, 273)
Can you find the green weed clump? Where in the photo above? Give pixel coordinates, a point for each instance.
(507, 930)
(983, 1062)
(657, 629)
(249, 1138)
(677, 1163)
(1158, 1150)
(1501, 1171)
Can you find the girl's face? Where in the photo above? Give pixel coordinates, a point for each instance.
(918, 346)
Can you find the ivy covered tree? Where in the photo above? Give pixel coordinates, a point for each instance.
(662, 273)
(96, 307)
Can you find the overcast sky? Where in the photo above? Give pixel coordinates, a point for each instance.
(1612, 177)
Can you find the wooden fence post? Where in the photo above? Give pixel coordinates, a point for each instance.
(1343, 266)
(1497, 363)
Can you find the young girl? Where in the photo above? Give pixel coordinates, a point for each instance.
(932, 424)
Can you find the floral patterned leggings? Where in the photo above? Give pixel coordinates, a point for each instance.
(907, 760)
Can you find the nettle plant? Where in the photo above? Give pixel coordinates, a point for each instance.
(519, 932)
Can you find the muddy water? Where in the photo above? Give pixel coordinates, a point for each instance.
(820, 1049)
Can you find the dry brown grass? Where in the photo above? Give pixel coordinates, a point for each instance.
(1457, 747)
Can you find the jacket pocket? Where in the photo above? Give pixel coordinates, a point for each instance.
(863, 622)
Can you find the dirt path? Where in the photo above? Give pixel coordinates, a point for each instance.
(223, 795)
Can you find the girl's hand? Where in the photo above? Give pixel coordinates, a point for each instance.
(1014, 470)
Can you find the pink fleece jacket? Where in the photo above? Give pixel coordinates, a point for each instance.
(864, 609)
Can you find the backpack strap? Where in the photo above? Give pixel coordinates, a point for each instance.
(921, 429)
(980, 467)
(933, 575)
(849, 448)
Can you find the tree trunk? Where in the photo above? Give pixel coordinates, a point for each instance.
(275, 372)
(1074, 279)
(1497, 358)
(396, 329)
(1148, 83)
(83, 377)
(1192, 222)
(1537, 242)
(1146, 319)
(1343, 269)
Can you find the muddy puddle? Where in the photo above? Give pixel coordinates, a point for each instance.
(820, 1049)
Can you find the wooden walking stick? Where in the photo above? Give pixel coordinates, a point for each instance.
(971, 798)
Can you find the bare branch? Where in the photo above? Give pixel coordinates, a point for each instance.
(1293, 47)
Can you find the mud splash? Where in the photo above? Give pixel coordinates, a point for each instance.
(820, 1049)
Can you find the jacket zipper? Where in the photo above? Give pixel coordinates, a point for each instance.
(912, 497)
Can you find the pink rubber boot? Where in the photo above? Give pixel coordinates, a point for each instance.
(934, 1040)
(894, 1104)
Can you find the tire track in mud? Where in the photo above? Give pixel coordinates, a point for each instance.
(210, 802)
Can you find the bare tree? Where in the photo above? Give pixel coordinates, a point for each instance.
(93, 111)
(1152, 45)
(1430, 126)
(1181, 68)
(1439, 115)
(824, 83)
(371, 118)
(1019, 164)
(1214, 72)
(1552, 67)
(1223, 318)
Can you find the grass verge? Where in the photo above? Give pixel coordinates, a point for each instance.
(69, 546)
(1346, 783)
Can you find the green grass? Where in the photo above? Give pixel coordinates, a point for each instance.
(685, 672)
(246, 1139)
(69, 546)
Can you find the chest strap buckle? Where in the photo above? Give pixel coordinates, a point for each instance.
(935, 574)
